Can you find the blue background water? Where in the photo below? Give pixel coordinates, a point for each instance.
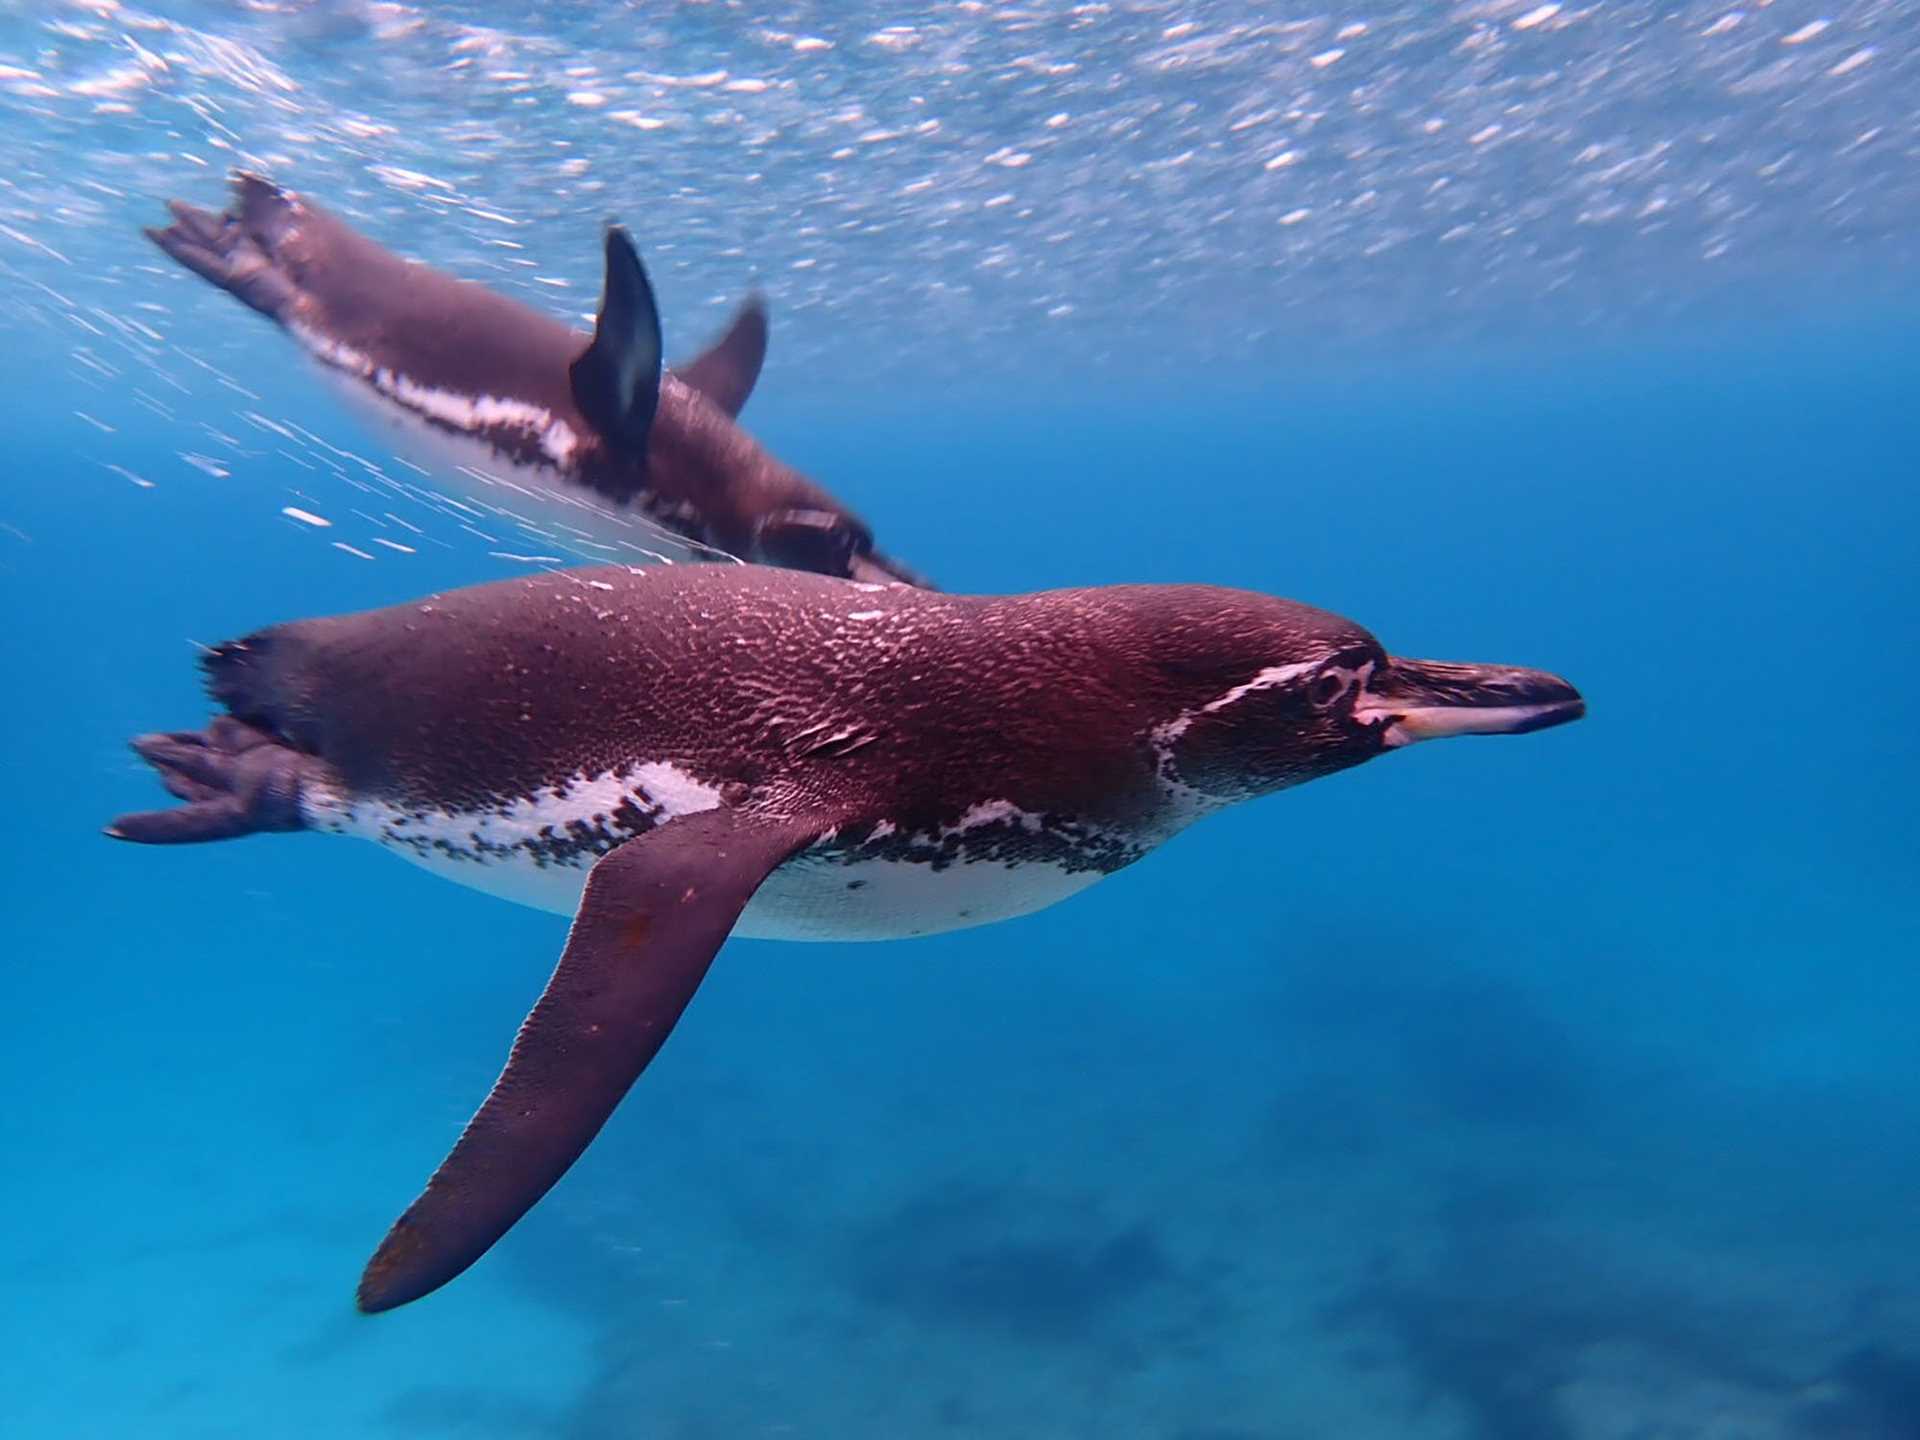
(1558, 1087)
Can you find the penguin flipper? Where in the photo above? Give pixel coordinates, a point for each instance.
(616, 379)
(655, 911)
(726, 371)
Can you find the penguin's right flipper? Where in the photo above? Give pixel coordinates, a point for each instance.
(725, 372)
(655, 911)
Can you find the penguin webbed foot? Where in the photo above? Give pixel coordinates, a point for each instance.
(235, 250)
(235, 779)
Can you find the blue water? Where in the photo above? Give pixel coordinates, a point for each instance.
(1552, 1088)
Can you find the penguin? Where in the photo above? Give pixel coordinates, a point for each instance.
(675, 754)
(481, 384)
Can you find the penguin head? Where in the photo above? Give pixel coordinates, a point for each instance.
(1283, 693)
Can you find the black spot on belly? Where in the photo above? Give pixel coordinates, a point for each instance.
(1057, 840)
(856, 884)
(573, 844)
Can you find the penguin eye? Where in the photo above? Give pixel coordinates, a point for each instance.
(1327, 688)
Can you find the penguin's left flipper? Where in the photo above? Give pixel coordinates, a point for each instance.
(655, 911)
(616, 379)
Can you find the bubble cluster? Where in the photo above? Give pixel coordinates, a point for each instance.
(1134, 184)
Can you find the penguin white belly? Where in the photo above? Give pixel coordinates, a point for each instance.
(818, 895)
(541, 504)
(807, 898)
(812, 898)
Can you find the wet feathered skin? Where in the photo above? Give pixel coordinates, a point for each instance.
(775, 685)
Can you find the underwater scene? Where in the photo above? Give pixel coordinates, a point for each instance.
(925, 460)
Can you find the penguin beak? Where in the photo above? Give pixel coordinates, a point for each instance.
(1428, 699)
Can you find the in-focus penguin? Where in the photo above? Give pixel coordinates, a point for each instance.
(679, 753)
(482, 378)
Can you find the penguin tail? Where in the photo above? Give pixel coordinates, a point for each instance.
(245, 676)
(239, 250)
